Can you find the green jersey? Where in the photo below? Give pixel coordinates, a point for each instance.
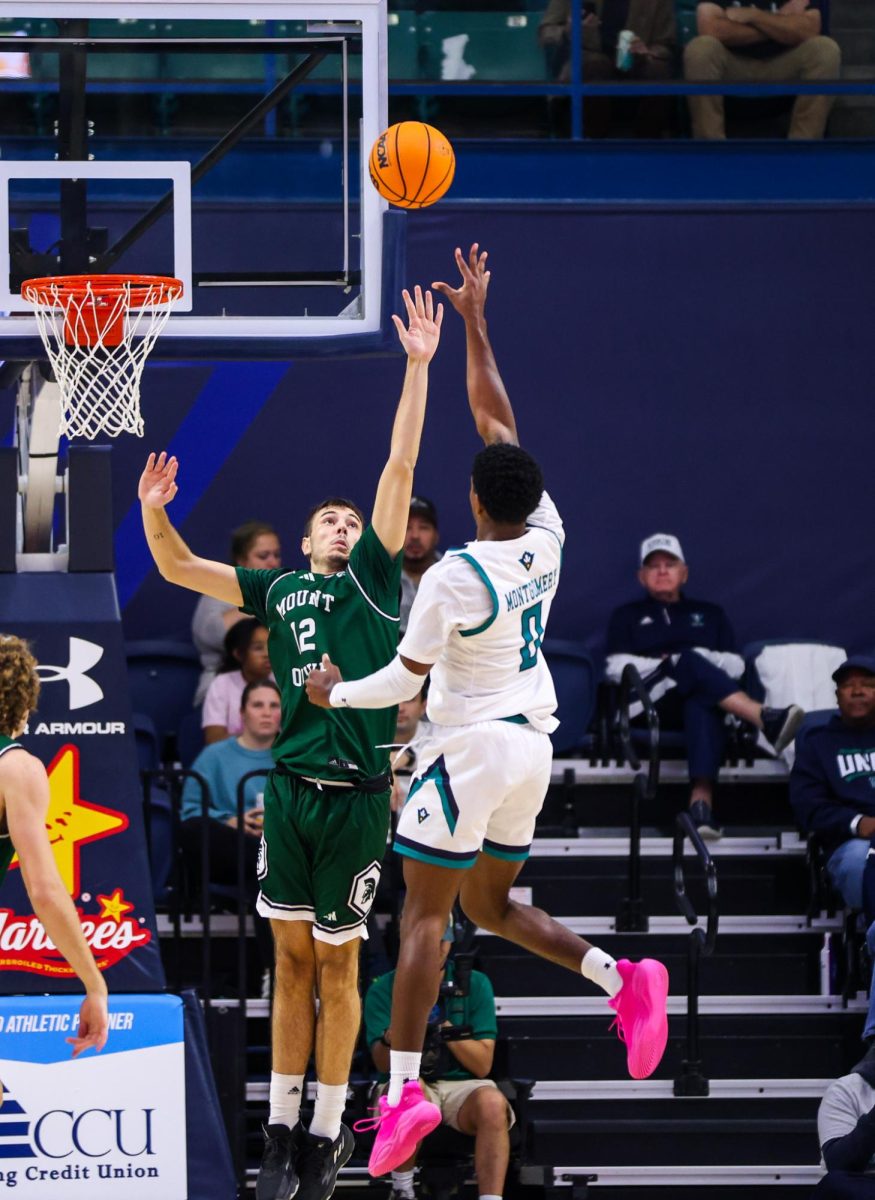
(352, 616)
(7, 850)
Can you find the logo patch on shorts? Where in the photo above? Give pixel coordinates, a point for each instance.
(364, 888)
(421, 815)
(261, 862)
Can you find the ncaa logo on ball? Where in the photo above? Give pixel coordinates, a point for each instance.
(382, 154)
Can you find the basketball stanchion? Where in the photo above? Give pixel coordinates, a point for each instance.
(98, 331)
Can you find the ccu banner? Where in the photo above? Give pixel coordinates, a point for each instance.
(82, 733)
(106, 1125)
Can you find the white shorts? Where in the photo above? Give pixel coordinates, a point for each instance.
(476, 787)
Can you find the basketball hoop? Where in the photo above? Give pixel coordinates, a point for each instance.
(98, 331)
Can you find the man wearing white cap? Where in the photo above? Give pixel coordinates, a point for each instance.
(685, 652)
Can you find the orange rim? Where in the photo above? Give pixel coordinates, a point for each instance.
(54, 290)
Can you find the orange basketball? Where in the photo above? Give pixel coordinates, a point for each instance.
(412, 164)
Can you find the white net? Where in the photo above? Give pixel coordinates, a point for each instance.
(98, 337)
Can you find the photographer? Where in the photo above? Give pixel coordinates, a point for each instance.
(457, 1057)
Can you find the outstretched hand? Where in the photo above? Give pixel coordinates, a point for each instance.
(158, 482)
(321, 681)
(420, 338)
(469, 300)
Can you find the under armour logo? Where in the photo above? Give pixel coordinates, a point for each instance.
(421, 814)
(83, 656)
(527, 559)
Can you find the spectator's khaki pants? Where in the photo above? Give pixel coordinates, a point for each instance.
(707, 60)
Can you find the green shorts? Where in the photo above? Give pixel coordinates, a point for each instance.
(320, 855)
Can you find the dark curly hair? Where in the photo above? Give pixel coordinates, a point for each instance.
(19, 683)
(508, 482)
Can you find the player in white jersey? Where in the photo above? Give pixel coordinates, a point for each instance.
(477, 624)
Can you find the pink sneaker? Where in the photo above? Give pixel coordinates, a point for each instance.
(400, 1129)
(642, 1021)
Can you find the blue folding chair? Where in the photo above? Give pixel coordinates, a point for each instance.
(162, 677)
(574, 678)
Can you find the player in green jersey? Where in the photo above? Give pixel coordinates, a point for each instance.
(24, 803)
(326, 805)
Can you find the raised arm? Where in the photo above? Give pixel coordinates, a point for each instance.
(489, 401)
(25, 789)
(172, 557)
(420, 339)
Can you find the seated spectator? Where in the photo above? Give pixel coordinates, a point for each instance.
(410, 728)
(846, 1131)
(684, 650)
(760, 42)
(222, 766)
(832, 791)
(246, 661)
(254, 544)
(420, 552)
(454, 1069)
(651, 55)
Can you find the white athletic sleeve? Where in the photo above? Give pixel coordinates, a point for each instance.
(546, 516)
(451, 596)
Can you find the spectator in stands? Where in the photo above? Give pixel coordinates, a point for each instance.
(832, 791)
(846, 1130)
(420, 552)
(246, 661)
(254, 544)
(222, 766)
(684, 650)
(762, 41)
(651, 55)
(410, 728)
(454, 1070)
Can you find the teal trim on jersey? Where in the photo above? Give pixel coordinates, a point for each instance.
(517, 719)
(407, 852)
(488, 582)
(507, 855)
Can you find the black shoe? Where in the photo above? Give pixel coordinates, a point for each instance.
(278, 1175)
(780, 725)
(319, 1161)
(703, 819)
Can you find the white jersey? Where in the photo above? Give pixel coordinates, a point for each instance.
(480, 616)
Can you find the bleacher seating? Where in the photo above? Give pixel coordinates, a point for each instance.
(162, 676)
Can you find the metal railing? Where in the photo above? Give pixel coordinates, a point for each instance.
(701, 942)
(632, 918)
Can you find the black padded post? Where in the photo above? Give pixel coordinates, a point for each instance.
(89, 508)
(8, 499)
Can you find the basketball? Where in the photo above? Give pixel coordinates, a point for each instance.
(412, 164)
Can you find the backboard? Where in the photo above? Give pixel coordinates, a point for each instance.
(217, 142)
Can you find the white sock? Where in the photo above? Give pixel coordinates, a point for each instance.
(489, 1196)
(328, 1109)
(403, 1066)
(402, 1181)
(602, 970)
(286, 1092)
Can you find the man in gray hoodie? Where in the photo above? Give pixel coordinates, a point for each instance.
(846, 1129)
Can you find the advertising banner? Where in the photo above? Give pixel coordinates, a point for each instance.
(110, 1125)
(82, 733)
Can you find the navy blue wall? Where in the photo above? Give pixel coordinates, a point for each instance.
(705, 372)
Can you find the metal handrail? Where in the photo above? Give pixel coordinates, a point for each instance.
(631, 682)
(631, 917)
(691, 1081)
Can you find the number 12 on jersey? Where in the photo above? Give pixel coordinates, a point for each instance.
(303, 632)
(533, 635)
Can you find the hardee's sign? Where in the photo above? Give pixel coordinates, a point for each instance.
(112, 931)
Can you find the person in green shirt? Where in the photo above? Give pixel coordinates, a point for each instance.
(24, 805)
(326, 803)
(456, 1080)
